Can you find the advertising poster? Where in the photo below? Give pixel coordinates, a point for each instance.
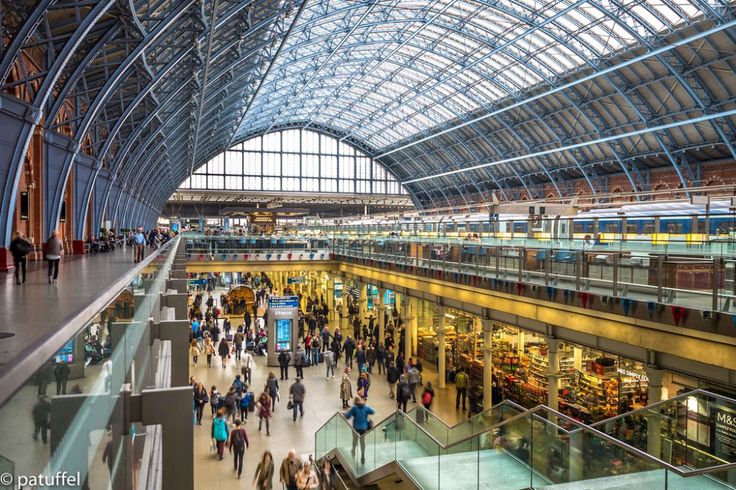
(723, 432)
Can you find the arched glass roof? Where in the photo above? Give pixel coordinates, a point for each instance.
(456, 98)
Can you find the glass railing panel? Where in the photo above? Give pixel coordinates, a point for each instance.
(459, 465)
(344, 437)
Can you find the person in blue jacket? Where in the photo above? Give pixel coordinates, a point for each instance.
(359, 412)
(220, 432)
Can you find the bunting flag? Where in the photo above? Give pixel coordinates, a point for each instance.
(566, 295)
(268, 256)
(677, 314)
(288, 256)
(224, 256)
(626, 305)
(495, 283)
(201, 257)
(311, 256)
(550, 292)
(650, 309)
(520, 287)
(321, 256)
(278, 256)
(245, 256)
(584, 297)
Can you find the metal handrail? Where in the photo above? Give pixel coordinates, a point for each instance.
(31, 358)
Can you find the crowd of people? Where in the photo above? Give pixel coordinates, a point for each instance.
(356, 358)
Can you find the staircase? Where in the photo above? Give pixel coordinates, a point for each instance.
(504, 448)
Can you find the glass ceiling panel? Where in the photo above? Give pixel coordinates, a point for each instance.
(418, 64)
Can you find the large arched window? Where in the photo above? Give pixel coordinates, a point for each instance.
(294, 161)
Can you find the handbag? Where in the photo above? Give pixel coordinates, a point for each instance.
(290, 405)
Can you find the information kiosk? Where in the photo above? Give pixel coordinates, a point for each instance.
(282, 327)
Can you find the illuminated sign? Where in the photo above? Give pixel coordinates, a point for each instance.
(283, 302)
(283, 335)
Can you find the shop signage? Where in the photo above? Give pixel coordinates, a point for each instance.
(283, 302)
(200, 282)
(295, 280)
(723, 432)
(632, 374)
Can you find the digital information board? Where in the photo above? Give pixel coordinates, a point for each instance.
(283, 302)
(283, 334)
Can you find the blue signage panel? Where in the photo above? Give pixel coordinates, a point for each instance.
(283, 335)
(283, 302)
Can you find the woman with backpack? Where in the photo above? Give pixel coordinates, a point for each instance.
(54, 251)
(238, 443)
(220, 433)
(245, 402)
(428, 396)
(403, 393)
(214, 400)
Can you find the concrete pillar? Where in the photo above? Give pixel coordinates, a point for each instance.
(363, 301)
(654, 420)
(488, 363)
(553, 373)
(441, 349)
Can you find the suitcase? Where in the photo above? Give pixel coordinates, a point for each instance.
(321, 357)
(229, 337)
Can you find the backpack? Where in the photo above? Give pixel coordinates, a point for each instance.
(237, 438)
(426, 398)
(405, 392)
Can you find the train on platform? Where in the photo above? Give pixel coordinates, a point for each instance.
(674, 219)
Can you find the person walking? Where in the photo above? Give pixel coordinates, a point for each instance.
(54, 251)
(428, 396)
(264, 411)
(19, 248)
(359, 412)
(284, 360)
(194, 351)
(370, 357)
(263, 479)
(245, 402)
(336, 348)
(209, 350)
(380, 357)
(415, 378)
(299, 361)
(238, 340)
(215, 400)
(360, 358)
(224, 350)
(296, 394)
(461, 388)
(238, 443)
(349, 348)
(364, 383)
(290, 467)
(327, 476)
(329, 357)
(403, 393)
(325, 338)
(247, 368)
(314, 344)
(41, 412)
(200, 400)
(307, 478)
(346, 388)
(392, 376)
(272, 387)
(220, 432)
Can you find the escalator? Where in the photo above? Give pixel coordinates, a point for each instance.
(504, 448)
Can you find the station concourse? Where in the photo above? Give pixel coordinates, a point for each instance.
(440, 244)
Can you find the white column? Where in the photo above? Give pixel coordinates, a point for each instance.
(654, 421)
(344, 305)
(331, 300)
(520, 343)
(553, 373)
(406, 326)
(487, 364)
(381, 313)
(414, 323)
(363, 301)
(441, 369)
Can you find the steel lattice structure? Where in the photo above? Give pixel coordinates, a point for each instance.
(457, 98)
